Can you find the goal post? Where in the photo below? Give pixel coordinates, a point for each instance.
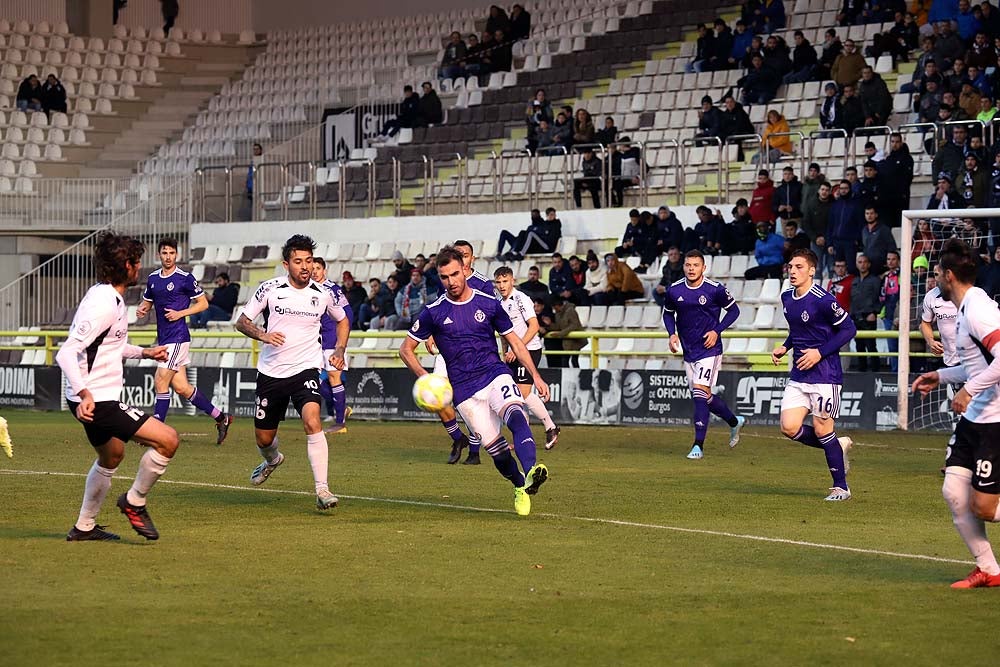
(947, 221)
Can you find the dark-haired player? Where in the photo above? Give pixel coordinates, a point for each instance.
(817, 328)
(287, 369)
(464, 323)
(91, 359)
(175, 294)
(692, 315)
(972, 469)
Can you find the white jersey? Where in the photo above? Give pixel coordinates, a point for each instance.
(938, 309)
(296, 314)
(520, 309)
(977, 334)
(91, 357)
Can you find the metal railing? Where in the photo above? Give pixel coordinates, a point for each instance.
(738, 140)
(432, 183)
(682, 157)
(801, 153)
(65, 203)
(834, 133)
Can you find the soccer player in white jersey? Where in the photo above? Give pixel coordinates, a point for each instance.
(176, 295)
(972, 470)
(464, 323)
(521, 312)
(287, 369)
(91, 359)
(939, 310)
(817, 328)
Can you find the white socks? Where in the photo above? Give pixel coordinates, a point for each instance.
(94, 493)
(957, 491)
(537, 408)
(270, 453)
(151, 466)
(319, 457)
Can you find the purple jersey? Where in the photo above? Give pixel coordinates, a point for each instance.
(327, 327)
(465, 333)
(480, 282)
(173, 292)
(813, 320)
(697, 310)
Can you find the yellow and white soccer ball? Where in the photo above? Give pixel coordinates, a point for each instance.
(432, 392)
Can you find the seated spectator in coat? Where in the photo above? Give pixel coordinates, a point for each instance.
(847, 67)
(769, 252)
(583, 128)
(597, 280)
(876, 100)
(735, 121)
(454, 54)
(608, 134)
(828, 109)
(850, 110)
(502, 56)
(722, 46)
(709, 119)
(554, 330)
(762, 199)
(410, 300)
(578, 282)
(623, 283)
(968, 24)
(795, 239)
(409, 111)
(898, 41)
(559, 278)
(29, 94)
(669, 230)
(788, 196)
(760, 84)
(741, 234)
(562, 132)
(379, 305)
(778, 147)
(815, 220)
(544, 139)
(950, 157)
(832, 48)
(804, 60)
(981, 54)
(948, 47)
(626, 169)
(430, 106)
(980, 81)
(354, 292)
(592, 179)
(777, 55)
(768, 17)
(497, 20)
(741, 45)
(673, 270)
(431, 276)
(222, 303)
(53, 95)
(930, 102)
(541, 236)
(520, 23)
(539, 110)
(850, 12)
(876, 240)
(473, 61)
(533, 287)
(710, 230)
(968, 99)
(702, 49)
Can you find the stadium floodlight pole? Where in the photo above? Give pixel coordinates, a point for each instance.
(905, 279)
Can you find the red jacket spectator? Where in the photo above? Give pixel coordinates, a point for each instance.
(840, 288)
(763, 199)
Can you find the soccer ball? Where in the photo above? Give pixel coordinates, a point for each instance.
(432, 393)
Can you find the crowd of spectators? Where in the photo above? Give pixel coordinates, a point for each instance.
(492, 52)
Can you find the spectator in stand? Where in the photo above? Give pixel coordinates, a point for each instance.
(487, 46)
(246, 210)
(942, 11)
(840, 285)
(170, 10)
(970, 234)
(850, 12)
(769, 252)
(953, 79)
(410, 301)
(973, 183)
(977, 148)
(540, 109)
(889, 297)
(562, 134)
(533, 287)
(875, 97)
(762, 199)
(498, 20)
(832, 48)
(29, 94)
(354, 292)
(431, 276)
(873, 153)
(53, 95)
(865, 306)
(409, 112)
(968, 24)
(876, 240)
(734, 121)
(578, 282)
(592, 179)
(431, 112)
(828, 109)
(403, 267)
(848, 65)
(795, 239)
(596, 282)
(898, 41)
(583, 128)
(544, 141)
(810, 187)
(709, 230)
(722, 46)
(851, 176)
(741, 232)
(669, 230)
(804, 60)
(634, 237)
(948, 46)
(943, 196)
(768, 17)
(815, 221)
(380, 304)
(924, 240)
(778, 147)
(760, 83)
(896, 173)
(850, 110)
(930, 102)
(608, 134)
(520, 23)
(981, 54)
(673, 270)
(968, 99)
(541, 236)
(928, 72)
(788, 196)
(502, 55)
(989, 19)
(623, 284)
(926, 55)
(741, 45)
(626, 169)
(558, 275)
(221, 305)
(980, 81)
(777, 56)
(844, 226)
(454, 54)
(950, 157)
(870, 188)
(709, 119)
(703, 49)
(566, 321)
(994, 198)
(473, 61)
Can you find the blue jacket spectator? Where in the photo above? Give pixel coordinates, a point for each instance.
(769, 17)
(741, 42)
(634, 238)
(847, 217)
(943, 10)
(769, 252)
(710, 230)
(968, 24)
(560, 275)
(670, 229)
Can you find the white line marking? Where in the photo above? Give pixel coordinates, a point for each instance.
(584, 519)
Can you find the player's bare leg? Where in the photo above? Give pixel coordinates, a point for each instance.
(536, 407)
(319, 455)
(180, 384)
(821, 435)
(161, 442)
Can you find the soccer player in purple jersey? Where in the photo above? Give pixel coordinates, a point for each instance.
(175, 294)
(692, 314)
(817, 328)
(464, 323)
(333, 386)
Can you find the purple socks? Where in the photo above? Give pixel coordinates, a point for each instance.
(834, 459)
(199, 401)
(524, 442)
(161, 407)
(700, 416)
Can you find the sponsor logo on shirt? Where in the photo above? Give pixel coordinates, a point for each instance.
(294, 313)
(416, 326)
(82, 328)
(447, 320)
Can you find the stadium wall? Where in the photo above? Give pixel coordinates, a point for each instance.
(226, 16)
(271, 15)
(33, 11)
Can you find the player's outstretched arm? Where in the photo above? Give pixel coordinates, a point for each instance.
(246, 327)
(407, 353)
(522, 354)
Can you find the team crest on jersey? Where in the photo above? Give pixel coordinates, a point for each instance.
(702, 300)
(480, 316)
(805, 315)
(170, 287)
(314, 301)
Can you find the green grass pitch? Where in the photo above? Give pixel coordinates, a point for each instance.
(426, 564)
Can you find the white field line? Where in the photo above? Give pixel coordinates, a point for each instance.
(582, 519)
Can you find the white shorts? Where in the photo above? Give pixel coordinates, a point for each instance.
(822, 400)
(704, 371)
(178, 356)
(482, 411)
(439, 367)
(328, 367)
